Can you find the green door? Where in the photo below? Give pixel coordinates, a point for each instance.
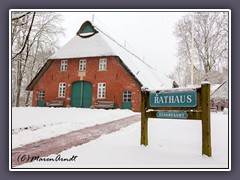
(81, 95)
(127, 100)
(40, 103)
(127, 105)
(87, 95)
(41, 97)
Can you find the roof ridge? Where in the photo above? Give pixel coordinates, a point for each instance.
(123, 47)
(219, 87)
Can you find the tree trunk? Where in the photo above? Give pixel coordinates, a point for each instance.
(21, 70)
(19, 85)
(26, 39)
(207, 74)
(27, 98)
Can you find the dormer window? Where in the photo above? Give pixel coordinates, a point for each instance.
(86, 30)
(63, 66)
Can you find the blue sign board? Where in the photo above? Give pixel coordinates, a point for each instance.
(174, 99)
(172, 115)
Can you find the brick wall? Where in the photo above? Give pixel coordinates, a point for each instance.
(116, 77)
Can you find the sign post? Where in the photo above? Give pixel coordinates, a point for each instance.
(144, 120)
(206, 128)
(178, 104)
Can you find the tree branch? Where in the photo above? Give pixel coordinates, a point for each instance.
(20, 16)
(25, 42)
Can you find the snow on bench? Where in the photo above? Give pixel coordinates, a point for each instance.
(104, 105)
(213, 109)
(57, 103)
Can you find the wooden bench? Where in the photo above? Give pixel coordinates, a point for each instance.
(57, 103)
(213, 109)
(104, 105)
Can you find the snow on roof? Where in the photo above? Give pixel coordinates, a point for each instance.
(221, 93)
(214, 87)
(101, 44)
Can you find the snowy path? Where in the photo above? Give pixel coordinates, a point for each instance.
(58, 144)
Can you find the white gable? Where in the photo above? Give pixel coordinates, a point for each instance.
(101, 45)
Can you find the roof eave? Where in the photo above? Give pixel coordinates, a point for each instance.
(39, 75)
(129, 71)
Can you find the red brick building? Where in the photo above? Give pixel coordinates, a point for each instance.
(93, 67)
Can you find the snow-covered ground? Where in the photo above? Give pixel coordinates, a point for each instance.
(32, 124)
(172, 143)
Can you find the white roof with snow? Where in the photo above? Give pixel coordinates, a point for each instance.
(221, 93)
(100, 44)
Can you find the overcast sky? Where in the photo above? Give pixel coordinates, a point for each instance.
(148, 34)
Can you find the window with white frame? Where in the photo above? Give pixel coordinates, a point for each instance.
(102, 64)
(63, 65)
(127, 96)
(82, 65)
(41, 94)
(101, 93)
(62, 90)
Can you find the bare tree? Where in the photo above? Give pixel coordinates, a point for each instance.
(26, 33)
(210, 43)
(34, 39)
(181, 74)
